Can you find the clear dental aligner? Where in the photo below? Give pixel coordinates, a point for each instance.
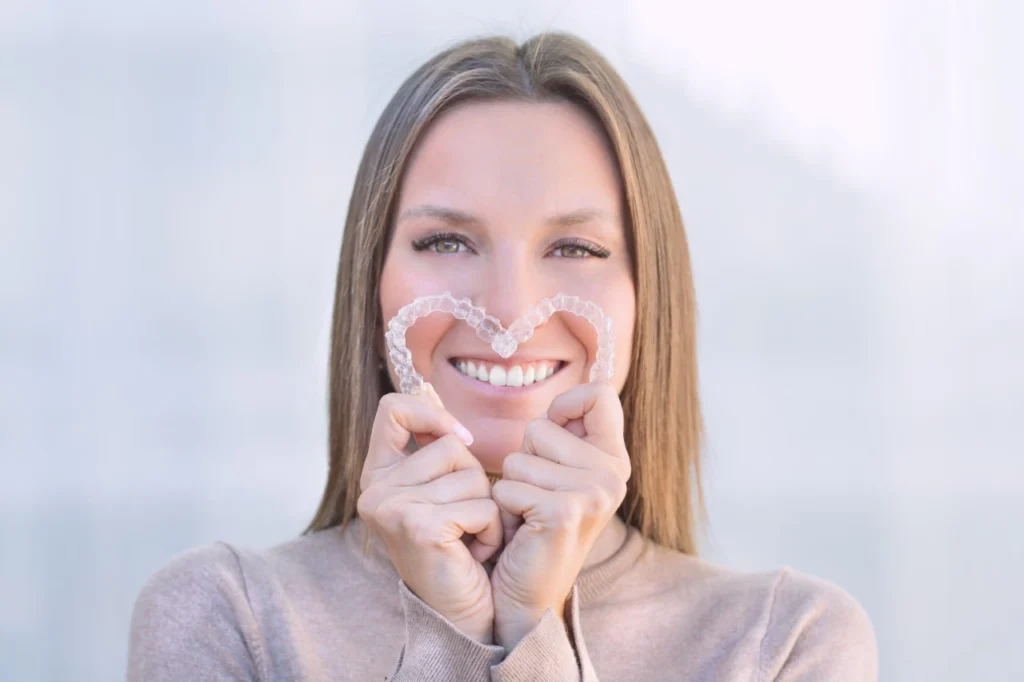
(503, 341)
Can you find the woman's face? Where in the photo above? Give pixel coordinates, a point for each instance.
(506, 203)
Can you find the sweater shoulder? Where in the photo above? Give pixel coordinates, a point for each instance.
(816, 623)
(194, 578)
(784, 618)
(245, 577)
(193, 615)
(782, 592)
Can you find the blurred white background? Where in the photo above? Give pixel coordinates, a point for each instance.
(173, 183)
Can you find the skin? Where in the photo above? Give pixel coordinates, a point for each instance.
(513, 179)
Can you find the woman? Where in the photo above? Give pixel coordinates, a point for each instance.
(512, 521)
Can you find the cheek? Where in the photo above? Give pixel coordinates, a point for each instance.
(625, 324)
(619, 304)
(397, 287)
(407, 276)
(400, 284)
(423, 338)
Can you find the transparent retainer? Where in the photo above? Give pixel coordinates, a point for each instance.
(503, 341)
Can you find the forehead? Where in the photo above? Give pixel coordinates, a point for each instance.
(527, 159)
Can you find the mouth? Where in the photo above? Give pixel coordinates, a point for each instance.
(516, 378)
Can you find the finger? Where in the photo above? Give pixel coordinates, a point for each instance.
(475, 517)
(398, 418)
(467, 484)
(521, 499)
(597, 403)
(573, 426)
(576, 428)
(550, 441)
(443, 456)
(542, 473)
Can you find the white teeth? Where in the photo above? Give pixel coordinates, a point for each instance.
(515, 376)
(498, 376)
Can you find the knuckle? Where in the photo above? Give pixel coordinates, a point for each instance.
(595, 503)
(567, 514)
(533, 429)
(480, 485)
(390, 514)
(601, 497)
(387, 402)
(512, 467)
(449, 449)
(452, 443)
(457, 455)
(614, 486)
(420, 529)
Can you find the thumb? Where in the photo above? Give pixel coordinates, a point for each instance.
(597, 405)
(573, 426)
(509, 524)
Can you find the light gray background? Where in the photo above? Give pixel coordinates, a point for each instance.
(173, 182)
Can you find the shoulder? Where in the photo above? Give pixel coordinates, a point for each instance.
(200, 576)
(220, 610)
(787, 619)
(818, 623)
(224, 574)
(195, 610)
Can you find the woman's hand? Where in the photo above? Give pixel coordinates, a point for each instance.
(421, 505)
(556, 496)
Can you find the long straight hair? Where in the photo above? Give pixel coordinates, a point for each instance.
(663, 422)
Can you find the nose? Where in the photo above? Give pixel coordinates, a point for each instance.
(509, 287)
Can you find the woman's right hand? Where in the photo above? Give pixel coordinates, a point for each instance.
(422, 504)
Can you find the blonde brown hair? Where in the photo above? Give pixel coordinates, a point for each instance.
(663, 423)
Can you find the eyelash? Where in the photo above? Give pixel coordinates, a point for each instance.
(428, 241)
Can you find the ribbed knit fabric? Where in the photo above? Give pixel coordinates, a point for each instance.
(319, 608)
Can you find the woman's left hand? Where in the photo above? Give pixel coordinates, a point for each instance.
(555, 498)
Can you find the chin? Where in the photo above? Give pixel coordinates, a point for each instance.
(494, 439)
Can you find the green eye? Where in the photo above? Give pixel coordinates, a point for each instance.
(573, 251)
(445, 243)
(579, 249)
(448, 243)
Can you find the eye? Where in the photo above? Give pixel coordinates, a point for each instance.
(447, 243)
(577, 249)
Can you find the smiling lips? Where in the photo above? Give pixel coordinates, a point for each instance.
(516, 375)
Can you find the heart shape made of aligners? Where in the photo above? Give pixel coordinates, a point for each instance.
(489, 328)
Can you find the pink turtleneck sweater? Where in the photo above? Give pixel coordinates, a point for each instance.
(318, 608)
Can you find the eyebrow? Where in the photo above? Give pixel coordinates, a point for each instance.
(460, 218)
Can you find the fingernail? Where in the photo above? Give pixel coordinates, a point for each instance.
(463, 433)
